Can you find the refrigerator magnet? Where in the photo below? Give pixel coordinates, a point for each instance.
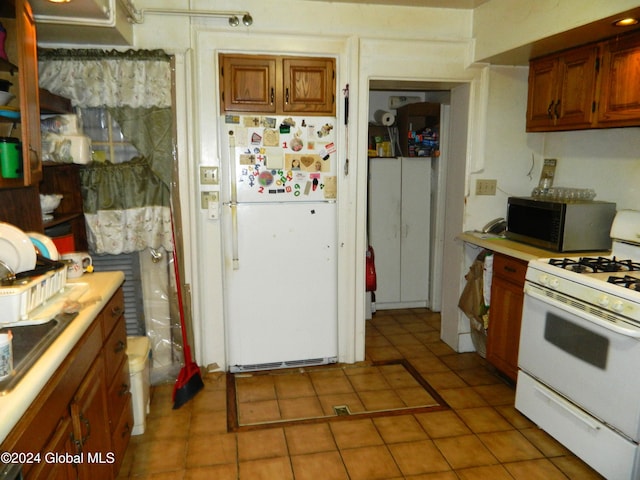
(275, 158)
(271, 138)
(251, 121)
(232, 119)
(268, 122)
(247, 159)
(330, 187)
(325, 130)
(265, 178)
(256, 139)
(296, 144)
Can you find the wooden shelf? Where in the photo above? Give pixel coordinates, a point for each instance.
(60, 219)
(6, 66)
(52, 103)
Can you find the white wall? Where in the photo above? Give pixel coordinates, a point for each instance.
(607, 160)
(373, 42)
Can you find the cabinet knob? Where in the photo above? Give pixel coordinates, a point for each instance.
(556, 110)
(273, 95)
(286, 96)
(120, 346)
(549, 113)
(124, 389)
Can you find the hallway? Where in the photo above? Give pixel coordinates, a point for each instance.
(481, 436)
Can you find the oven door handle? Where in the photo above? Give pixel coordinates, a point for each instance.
(575, 413)
(630, 331)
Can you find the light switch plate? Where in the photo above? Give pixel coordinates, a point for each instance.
(486, 187)
(208, 175)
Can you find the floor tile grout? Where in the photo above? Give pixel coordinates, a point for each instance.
(470, 440)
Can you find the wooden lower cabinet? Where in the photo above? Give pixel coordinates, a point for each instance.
(84, 413)
(505, 314)
(91, 425)
(63, 445)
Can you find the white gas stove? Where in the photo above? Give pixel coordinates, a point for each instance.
(580, 351)
(611, 283)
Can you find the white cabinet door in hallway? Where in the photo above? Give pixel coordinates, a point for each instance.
(399, 229)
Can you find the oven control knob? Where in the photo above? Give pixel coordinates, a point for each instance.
(554, 283)
(544, 280)
(603, 301)
(618, 306)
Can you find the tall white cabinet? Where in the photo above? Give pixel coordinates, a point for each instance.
(399, 229)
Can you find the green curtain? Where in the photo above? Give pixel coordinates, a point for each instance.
(127, 206)
(150, 131)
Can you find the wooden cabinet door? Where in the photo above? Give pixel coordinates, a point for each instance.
(505, 314)
(309, 85)
(248, 83)
(562, 90)
(620, 92)
(576, 88)
(29, 103)
(62, 443)
(542, 93)
(89, 413)
(505, 318)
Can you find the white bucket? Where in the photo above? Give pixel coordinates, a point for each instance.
(138, 353)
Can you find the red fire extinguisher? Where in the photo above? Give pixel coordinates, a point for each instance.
(371, 283)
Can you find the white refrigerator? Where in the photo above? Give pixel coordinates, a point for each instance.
(279, 220)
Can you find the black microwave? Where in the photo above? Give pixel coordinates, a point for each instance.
(560, 226)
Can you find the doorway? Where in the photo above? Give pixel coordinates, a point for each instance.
(405, 199)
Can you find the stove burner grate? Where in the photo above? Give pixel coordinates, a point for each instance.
(627, 281)
(595, 264)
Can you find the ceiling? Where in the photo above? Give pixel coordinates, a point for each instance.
(463, 4)
(93, 20)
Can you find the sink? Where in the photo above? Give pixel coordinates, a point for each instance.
(29, 343)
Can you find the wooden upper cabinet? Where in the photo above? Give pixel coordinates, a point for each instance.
(620, 84)
(21, 45)
(309, 85)
(562, 90)
(248, 83)
(542, 92)
(277, 85)
(29, 99)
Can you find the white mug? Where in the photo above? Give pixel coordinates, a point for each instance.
(77, 263)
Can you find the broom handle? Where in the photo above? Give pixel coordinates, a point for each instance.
(176, 271)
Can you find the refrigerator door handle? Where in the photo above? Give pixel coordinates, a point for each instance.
(234, 236)
(233, 205)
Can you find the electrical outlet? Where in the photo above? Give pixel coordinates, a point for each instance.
(208, 175)
(486, 187)
(206, 197)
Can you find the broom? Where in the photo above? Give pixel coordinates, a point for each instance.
(189, 381)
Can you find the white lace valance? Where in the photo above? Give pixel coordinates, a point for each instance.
(109, 81)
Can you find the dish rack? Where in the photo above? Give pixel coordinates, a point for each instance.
(17, 301)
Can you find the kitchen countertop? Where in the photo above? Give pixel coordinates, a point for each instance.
(517, 249)
(16, 402)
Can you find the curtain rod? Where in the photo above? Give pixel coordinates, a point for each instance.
(137, 16)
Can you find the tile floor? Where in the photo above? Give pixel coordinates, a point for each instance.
(482, 436)
(317, 393)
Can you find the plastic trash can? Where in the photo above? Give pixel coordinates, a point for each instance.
(138, 353)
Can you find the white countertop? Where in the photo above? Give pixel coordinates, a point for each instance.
(517, 249)
(16, 402)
